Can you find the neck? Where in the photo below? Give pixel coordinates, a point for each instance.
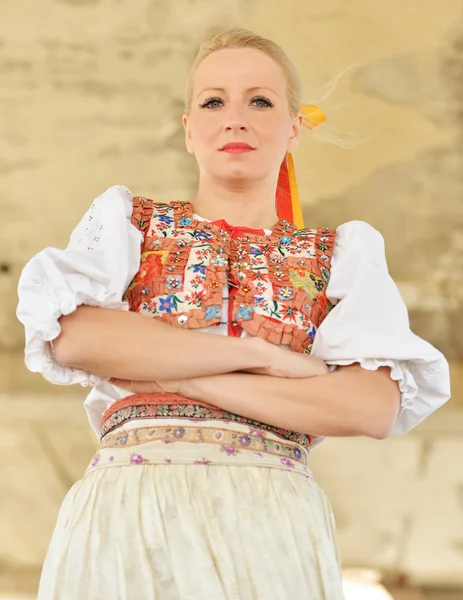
(250, 206)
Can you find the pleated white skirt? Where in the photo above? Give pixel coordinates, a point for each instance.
(160, 515)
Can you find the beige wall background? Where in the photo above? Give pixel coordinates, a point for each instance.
(91, 95)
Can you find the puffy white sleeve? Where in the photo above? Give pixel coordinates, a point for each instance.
(95, 269)
(369, 325)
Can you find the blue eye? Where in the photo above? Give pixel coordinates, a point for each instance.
(263, 101)
(215, 102)
(211, 103)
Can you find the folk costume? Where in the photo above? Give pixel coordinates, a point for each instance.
(184, 500)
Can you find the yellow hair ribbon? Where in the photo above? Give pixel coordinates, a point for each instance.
(313, 117)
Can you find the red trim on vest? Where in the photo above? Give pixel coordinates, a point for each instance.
(234, 330)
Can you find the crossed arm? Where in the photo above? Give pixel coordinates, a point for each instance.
(351, 401)
(273, 389)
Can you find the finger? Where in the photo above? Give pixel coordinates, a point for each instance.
(126, 384)
(171, 386)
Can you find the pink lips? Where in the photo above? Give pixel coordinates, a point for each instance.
(236, 148)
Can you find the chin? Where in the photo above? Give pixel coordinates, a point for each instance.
(238, 179)
(238, 172)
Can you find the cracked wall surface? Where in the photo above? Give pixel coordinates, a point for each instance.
(91, 95)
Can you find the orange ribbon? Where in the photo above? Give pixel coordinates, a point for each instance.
(288, 202)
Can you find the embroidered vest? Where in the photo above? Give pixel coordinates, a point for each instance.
(279, 279)
(279, 282)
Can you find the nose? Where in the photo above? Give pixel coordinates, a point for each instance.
(235, 119)
(235, 126)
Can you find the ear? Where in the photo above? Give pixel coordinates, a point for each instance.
(188, 140)
(296, 129)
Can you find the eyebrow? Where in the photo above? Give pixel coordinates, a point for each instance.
(256, 87)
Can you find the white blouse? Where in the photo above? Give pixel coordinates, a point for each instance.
(369, 324)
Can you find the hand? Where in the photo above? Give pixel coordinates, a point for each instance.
(284, 363)
(147, 387)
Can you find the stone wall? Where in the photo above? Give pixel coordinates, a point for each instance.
(91, 94)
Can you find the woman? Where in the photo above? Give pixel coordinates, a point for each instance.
(201, 488)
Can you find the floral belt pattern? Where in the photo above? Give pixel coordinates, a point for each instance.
(170, 442)
(172, 406)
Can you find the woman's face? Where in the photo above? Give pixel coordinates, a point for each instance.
(239, 97)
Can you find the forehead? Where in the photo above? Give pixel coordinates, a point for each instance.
(239, 67)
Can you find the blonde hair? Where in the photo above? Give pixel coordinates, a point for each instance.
(242, 38)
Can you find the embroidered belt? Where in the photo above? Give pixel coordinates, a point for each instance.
(173, 406)
(205, 443)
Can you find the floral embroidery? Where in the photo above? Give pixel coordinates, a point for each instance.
(289, 313)
(166, 304)
(196, 282)
(174, 282)
(95, 460)
(137, 459)
(277, 258)
(179, 433)
(257, 432)
(198, 269)
(285, 293)
(244, 312)
(115, 416)
(219, 261)
(202, 235)
(198, 298)
(212, 312)
(325, 274)
(165, 219)
(258, 275)
(311, 333)
(229, 441)
(280, 277)
(322, 302)
(229, 449)
(297, 453)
